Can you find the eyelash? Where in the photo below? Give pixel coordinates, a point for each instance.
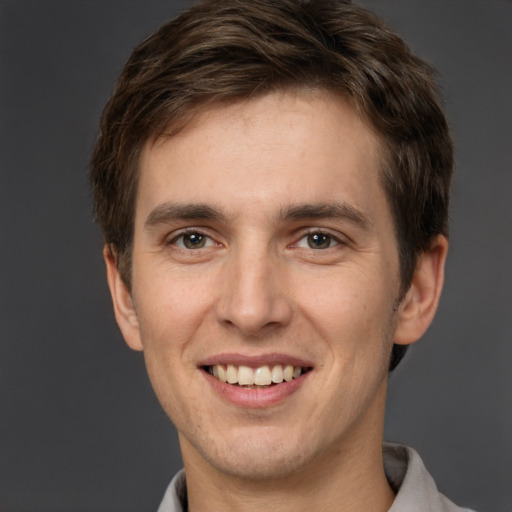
(332, 240)
(190, 232)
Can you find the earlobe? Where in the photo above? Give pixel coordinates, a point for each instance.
(124, 311)
(418, 307)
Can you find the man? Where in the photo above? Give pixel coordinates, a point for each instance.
(272, 180)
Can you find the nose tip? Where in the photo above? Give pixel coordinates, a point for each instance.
(253, 299)
(255, 318)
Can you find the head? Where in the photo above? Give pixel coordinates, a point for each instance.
(272, 181)
(223, 51)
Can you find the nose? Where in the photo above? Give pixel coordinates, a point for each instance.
(254, 298)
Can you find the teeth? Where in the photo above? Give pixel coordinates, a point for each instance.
(245, 376)
(231, 374)
(288, 373)
(222, 373)
(277, 374)
(260, 376)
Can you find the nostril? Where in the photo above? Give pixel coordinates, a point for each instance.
(256, 318)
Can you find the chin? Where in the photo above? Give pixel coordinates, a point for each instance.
(259, 467)
(259, 458)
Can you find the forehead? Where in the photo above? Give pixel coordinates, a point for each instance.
(282, 148)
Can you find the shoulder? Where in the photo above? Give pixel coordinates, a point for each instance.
(415, 487)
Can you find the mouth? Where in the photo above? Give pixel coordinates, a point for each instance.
(259, 377)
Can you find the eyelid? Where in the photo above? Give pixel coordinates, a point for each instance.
(171, 238)
(176, 235)
(337, 238)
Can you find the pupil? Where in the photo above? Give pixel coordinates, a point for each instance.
(319, 241)
(193, 240)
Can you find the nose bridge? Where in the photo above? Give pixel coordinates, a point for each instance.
(253, 297)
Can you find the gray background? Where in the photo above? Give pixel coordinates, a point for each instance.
(80, 429)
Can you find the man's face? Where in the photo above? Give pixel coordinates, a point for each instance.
(263, 239)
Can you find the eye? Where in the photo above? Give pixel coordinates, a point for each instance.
(193, 240)
(317, 240)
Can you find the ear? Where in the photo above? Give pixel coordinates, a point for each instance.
(124, 311)
(418, 307)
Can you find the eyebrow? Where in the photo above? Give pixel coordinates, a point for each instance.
(335, 210)
(168, 212)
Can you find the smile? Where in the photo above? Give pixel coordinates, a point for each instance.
(259, 377)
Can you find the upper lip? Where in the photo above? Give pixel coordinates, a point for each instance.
(255, 361)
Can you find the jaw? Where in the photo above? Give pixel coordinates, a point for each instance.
(281, 466)
(286, 440)
(257, 451)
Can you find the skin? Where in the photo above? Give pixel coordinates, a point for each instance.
(257, 287)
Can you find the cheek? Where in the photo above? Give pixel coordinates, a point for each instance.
(354, 315)
(170, 315)
(170, 306)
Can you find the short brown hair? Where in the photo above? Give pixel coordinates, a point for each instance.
(226, 50)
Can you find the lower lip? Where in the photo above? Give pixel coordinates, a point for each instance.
(255, 397)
